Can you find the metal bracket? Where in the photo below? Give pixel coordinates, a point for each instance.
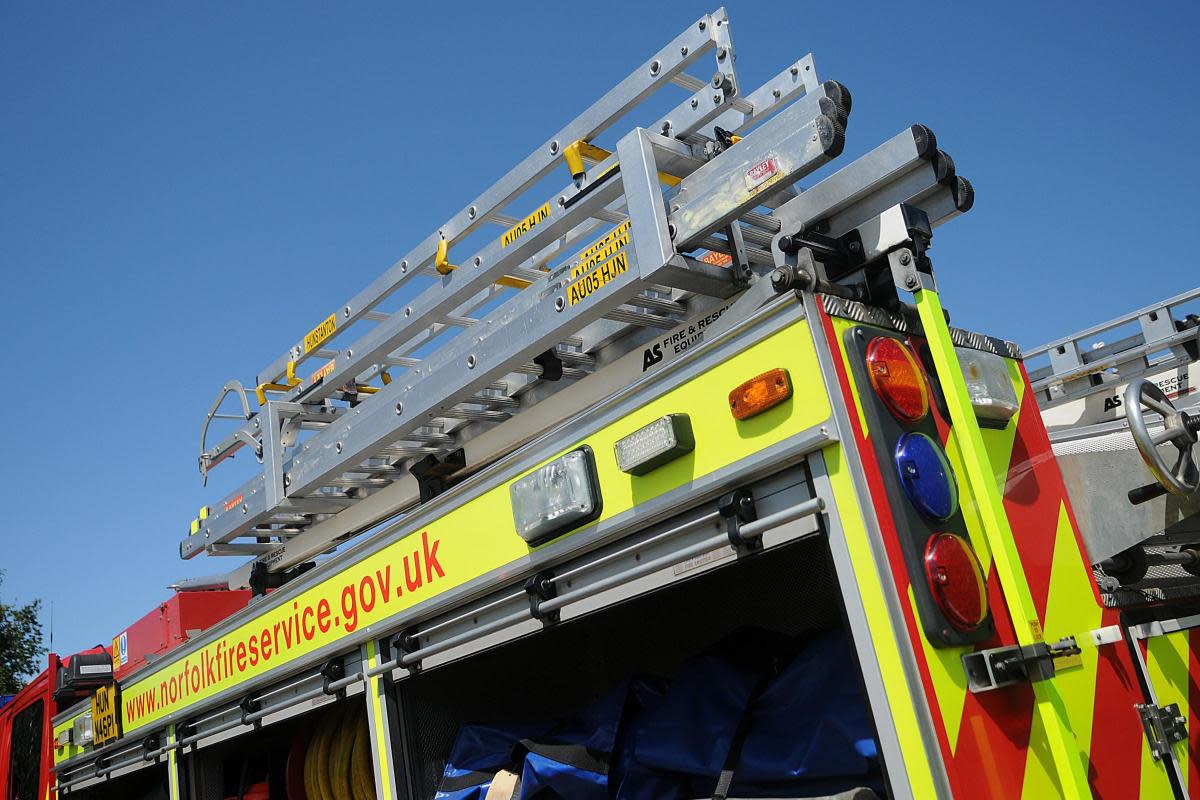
(149, 745)
(261, 578)
(250, 705)
(551, 364)
(737, 508)
(333, 670)
(433, 474)
(1164, 726)
(540, 588)
(997, 667)
(407, 641)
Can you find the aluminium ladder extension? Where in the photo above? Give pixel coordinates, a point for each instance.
(676, 219)
(1081, 391)
(1083, 364)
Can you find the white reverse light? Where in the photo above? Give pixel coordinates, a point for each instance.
(555, 497)
(988, 384)
(663, 440)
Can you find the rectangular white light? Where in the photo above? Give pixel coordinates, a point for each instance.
(560, 495)
(989, 385)
(663, 440)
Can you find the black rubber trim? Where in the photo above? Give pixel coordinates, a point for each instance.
(573, 755)
(926, 141)
(460, 782)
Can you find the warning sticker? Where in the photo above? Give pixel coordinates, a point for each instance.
(598, 278)
(763, 174)
(323, 371)
(525, 226)
(314, 338)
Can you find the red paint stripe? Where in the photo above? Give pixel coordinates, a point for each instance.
(1193, 774)
(1114, 769)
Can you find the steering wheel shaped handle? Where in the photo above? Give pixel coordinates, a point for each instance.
(1179, 430)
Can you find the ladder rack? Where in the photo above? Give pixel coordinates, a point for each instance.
(679, 218)
(1083, 364)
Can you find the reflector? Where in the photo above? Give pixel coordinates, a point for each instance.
(926, 476)
(897, 379)
(956, 581)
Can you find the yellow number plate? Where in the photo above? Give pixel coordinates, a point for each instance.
(104, 715)
(525, 226)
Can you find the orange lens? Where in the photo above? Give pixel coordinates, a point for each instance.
(760, 393)
(897, 379)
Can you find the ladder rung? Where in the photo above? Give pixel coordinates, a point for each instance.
(571, 373)
(358, 483)
(754, 254)
(631, 317)
(758, 220)
(685, 81)
(475, 414)
(408, 451)
(657, 304)
(502, 219)
(498, 401)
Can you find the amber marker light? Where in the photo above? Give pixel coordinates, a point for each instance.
(760, 393)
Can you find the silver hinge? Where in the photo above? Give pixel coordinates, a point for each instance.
(1163, 726)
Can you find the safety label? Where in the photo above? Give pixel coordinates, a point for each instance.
(314, 338)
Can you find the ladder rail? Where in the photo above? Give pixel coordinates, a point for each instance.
(1075, 369)
(1116, 322)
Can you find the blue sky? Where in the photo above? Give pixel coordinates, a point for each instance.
(184, 189)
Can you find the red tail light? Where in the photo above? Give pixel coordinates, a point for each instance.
(897, 379)
(956, 581)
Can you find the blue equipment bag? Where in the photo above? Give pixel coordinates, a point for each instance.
(756, 717)
(479, 752)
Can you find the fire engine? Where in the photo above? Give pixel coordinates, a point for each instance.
(658, 471)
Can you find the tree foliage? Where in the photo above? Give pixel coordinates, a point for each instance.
(20, 643)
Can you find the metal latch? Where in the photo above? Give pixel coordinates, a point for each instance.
(1163, 726)
(1004, 666)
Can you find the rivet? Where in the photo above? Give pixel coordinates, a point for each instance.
(554, 147)
(471, 361)
(559, 304)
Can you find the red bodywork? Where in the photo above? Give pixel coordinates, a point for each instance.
(174, 622)
(40, 689)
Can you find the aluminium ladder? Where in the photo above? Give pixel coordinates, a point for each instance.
(678, 218)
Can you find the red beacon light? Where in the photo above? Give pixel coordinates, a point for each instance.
(897, 379)
(956, 581)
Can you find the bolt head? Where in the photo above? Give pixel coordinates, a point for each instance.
(905, 259)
